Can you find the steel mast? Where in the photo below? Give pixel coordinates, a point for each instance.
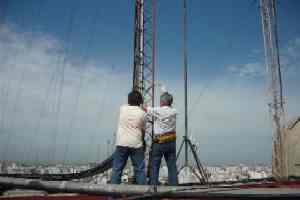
(144, 49)
(269, 25)
(144, 59)
(186, 142)
(138, 47)
(185, 81)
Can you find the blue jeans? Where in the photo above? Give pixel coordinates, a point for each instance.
(168, 150)
(120, 158)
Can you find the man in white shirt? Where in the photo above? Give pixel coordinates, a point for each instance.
(129, 140)
(164, 139)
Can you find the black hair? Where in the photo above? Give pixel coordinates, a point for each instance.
(135, 98)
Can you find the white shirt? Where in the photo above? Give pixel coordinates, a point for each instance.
(130, 127)
(164, 119)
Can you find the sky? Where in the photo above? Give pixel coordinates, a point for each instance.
(66, 67)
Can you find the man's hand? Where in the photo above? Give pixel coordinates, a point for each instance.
(145, 108)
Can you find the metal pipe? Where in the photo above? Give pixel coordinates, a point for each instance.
(146, 191)
(185, 80)
(84, 188)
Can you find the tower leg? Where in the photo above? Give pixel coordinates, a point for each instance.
(187, 142)
(180, 148)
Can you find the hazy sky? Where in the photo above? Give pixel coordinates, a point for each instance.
(66, 67)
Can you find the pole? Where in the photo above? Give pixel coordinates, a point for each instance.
(275, 93)
(138, 47)
(185, 81)
(153, 48)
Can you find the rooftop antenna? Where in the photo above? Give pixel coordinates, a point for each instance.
(269, 25)
(186, 141)
(144, 58)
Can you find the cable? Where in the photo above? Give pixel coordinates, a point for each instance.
(82, 71)
(43, 111)
(18, 93)
(19, 90)
(52, 109)
(62, 80)
(36, 15)
(98, 169)
(103, 100)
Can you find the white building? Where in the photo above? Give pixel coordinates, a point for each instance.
(293, 148)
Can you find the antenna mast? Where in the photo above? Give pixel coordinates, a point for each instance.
(185, 80)
(144, 49)
(186, 142)
(269, 25)
(138, 47)
(144, 58)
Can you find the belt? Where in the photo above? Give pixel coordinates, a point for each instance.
(165, 137)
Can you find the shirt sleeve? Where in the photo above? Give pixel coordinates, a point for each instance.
(151, 113)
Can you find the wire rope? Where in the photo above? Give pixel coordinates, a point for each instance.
(82, 72)
(62, 79)
(19, 88)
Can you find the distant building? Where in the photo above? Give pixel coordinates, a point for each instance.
(52, 170)
(292, 142)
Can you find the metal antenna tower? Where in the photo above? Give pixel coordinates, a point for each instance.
(185, 81)
(144, 57)
(269, 25)
(138, 47)
(144, 49)
(186, 141)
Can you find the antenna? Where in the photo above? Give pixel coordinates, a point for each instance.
(144, 57)
(186, 141)
(185, 80)
(269, 26)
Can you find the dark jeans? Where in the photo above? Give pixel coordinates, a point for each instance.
(121, 155)
(168, 150)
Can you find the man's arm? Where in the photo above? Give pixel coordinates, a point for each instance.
(151, 113)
